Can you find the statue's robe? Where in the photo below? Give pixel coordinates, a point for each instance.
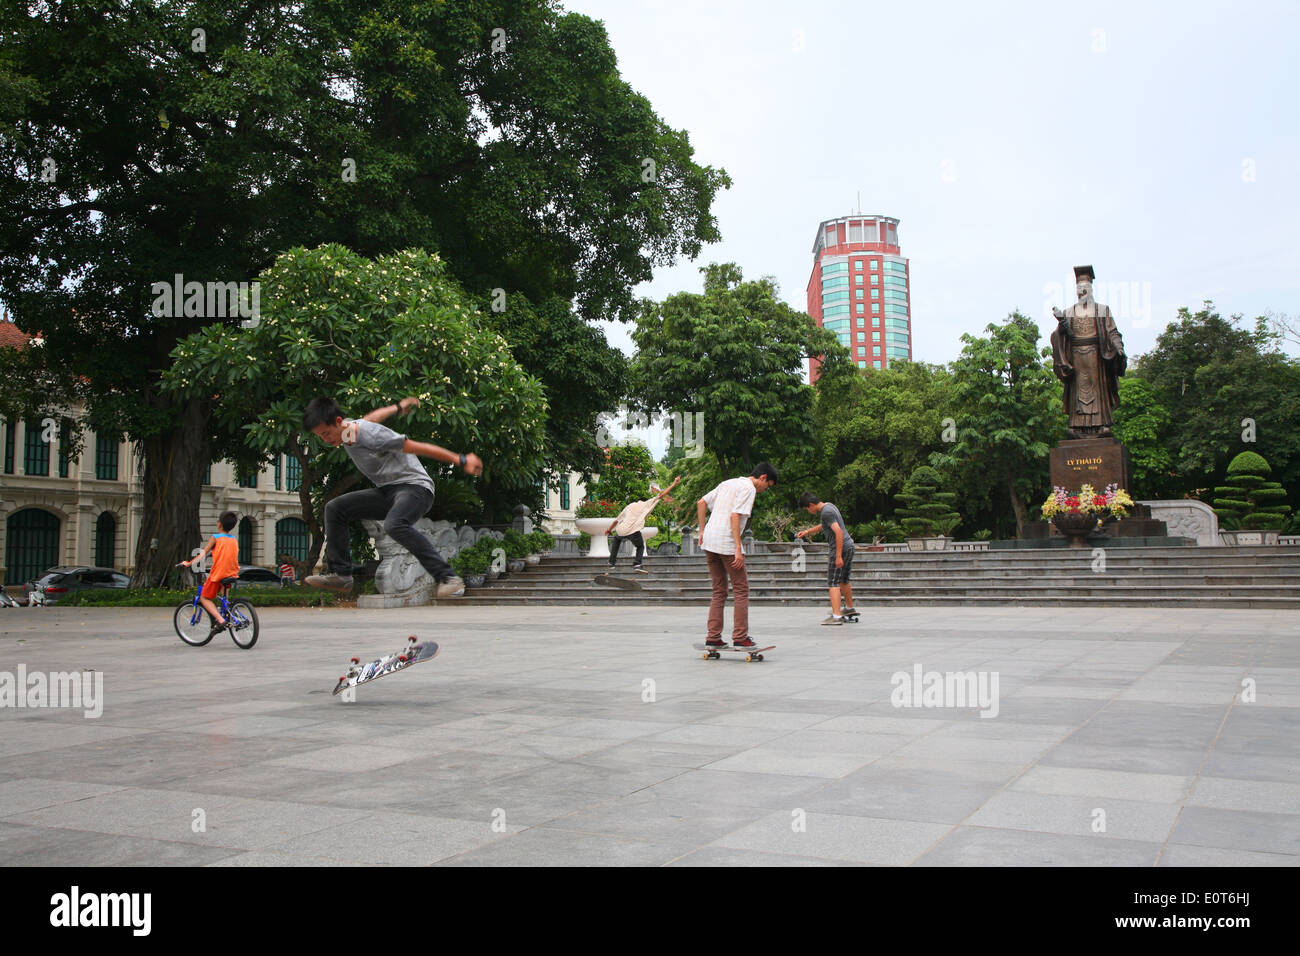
(1090, 365)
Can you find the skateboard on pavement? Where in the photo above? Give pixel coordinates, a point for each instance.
(610, 580)
(713, 653)
(359, 673)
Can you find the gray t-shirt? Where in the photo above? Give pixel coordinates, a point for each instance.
(831, 516)
(376, 450)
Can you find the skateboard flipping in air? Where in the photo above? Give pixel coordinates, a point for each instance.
(612, 581)
(359, 673)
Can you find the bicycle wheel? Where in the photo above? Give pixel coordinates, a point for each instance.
(243, 622)
(192, 625)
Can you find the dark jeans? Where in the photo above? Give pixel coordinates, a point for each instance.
(400, 507)
(636, 538)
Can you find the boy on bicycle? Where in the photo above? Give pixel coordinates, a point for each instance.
(225, 564)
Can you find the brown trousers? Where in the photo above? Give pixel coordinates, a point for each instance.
(719, 570)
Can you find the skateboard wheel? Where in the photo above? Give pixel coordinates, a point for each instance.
(705, 656)
(748, 658)
(759, 657)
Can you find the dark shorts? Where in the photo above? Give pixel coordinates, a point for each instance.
(837, 576)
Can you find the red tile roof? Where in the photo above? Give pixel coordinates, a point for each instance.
(12, 336)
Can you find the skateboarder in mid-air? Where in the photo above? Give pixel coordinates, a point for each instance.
(628, 526)
(403, 492)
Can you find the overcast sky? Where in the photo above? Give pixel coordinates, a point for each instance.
(1157, 142)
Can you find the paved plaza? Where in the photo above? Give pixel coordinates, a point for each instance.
(576, 736)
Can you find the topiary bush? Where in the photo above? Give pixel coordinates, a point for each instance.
(1248, 499)
(926, 508)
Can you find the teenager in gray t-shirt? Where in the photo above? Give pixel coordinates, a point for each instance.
(402, 494)
(841, 555)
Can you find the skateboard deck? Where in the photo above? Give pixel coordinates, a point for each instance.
(359, 673)
(713, 653)
(609, 579)
(851, 618)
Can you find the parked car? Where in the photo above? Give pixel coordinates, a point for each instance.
(57, 583)
(251, 576)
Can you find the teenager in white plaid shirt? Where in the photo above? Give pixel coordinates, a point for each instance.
(720, 539)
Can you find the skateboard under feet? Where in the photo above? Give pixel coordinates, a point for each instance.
(712, 653)
(359, 673)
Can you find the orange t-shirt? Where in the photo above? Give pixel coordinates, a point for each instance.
(225, 557)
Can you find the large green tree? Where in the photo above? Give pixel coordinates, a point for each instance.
(365, 332)
(1227, 389)
(874, 429)
(1142, 423)
(203, 137)
(737, 354)
(1008, 416)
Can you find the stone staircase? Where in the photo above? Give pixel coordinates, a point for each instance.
(1164, 577)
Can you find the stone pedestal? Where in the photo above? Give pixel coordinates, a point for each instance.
(1090, 461)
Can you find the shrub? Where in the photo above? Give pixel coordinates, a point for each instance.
(476, 559)
(169, 597)
(925, 506)
(516, 545)
(1248, 499)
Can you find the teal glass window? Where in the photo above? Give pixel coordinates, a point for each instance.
(292, 473)
(106, 456)
(65, 446)
(36, 452)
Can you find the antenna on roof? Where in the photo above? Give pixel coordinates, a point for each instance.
(859, 202)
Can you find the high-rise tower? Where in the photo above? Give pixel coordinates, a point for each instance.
(859, 289)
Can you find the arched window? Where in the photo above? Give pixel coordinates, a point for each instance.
(105, 540)
(31, 544)
(246, 541)
(292, 538)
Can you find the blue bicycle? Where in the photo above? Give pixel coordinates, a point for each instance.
(192, 624)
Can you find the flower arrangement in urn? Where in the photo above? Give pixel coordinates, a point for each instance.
(1079, 515)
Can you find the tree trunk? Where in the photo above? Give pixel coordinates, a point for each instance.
(307, 481)
(174, 462)
(1018, 506)
(310, 475)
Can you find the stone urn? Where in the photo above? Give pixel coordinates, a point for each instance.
(596, 528)
(1076, 527)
